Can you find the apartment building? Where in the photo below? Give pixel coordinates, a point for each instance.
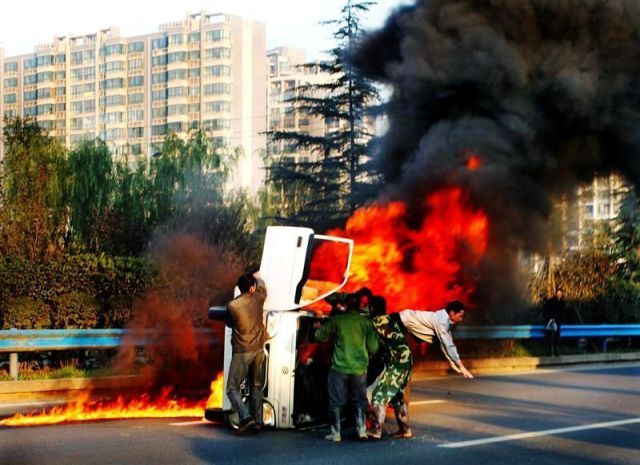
(209, 70)
(285, 76)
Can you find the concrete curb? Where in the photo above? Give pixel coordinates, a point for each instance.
(427, 368)
(68, 384)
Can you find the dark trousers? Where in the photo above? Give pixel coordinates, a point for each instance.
(343, 388)
(553, 337)
(241, 365)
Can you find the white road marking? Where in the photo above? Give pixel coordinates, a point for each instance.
(534, 434)
(425, 402)
(189, 423)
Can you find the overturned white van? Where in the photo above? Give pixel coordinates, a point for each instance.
(285, 267)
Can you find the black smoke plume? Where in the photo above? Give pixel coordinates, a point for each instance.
(545, 92)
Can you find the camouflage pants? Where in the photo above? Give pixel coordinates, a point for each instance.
(391, 388)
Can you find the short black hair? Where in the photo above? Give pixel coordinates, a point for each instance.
(352, 302)
(246, 282)
(365, 291)
(455, 306)
(378, 306)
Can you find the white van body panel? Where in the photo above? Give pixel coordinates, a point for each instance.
(283, 264)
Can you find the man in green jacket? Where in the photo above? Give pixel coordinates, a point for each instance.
(354, 340)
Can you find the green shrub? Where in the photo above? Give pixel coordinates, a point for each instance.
(118, 311)
(25, 313)
(75, 310)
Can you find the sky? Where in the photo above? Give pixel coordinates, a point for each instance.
(25, 24)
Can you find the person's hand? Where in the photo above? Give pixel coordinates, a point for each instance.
(308, 361)
(257, 275)
(466, 373)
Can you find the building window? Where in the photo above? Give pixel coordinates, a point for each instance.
(11, 82)
(159, 95)
(30, 79)
(10, 98)
(176, 74)
(217, 70)
(177, 92)
(159, 60)
(159, 130)
(218, 53)
(113, 83)
(218, 106)
(112, 66)
(113, 100)
(112, 49)
(44, 60)
(160, 112)
(218, 88)
(176, 39)
(173, 110)
(176, 57)
(136, 47)
(159, 43)
(194, 72)
(136, 98)
(60, 75)
(136, 132)
(159, 78)
(29, 63)
(136, 63)
(136, 115)
(136, 81)
(217, 35)
(30, 95)
(44, 77)
(194, 37)
(216, 124)
(194, 55)
(10, 114)
(43, 93)
(11, 67)
(61, 58)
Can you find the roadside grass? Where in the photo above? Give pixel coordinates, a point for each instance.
(56, 373)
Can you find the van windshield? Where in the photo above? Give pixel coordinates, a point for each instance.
(328, 271)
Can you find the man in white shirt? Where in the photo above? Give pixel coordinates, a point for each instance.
(425, 325)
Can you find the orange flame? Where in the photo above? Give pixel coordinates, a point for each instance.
(83, 409)
(420, 268)
(473, 162)
(217, 386)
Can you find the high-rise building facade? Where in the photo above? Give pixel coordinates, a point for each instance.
(208, 71)
(286, 77)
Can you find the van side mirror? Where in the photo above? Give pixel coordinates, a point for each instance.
(218, 313)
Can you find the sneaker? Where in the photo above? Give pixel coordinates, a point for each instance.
(374, 435)
(245, 426)
(333, 436)
(400, 434)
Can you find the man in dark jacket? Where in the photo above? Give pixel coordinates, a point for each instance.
(554, 309)
(354, 340)
(247, 340)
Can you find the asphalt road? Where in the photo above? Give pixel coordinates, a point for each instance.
(572, 416)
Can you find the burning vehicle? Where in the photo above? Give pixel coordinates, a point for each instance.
(293, 304)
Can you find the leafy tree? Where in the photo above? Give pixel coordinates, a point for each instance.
(327, 188)
(90, 183)
(34, 213)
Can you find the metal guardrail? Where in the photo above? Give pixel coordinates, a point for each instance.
(14, 341)
(537, 331)
(35, 340)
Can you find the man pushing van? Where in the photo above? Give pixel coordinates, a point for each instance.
(247, 340)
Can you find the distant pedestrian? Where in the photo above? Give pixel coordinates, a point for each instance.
(248, 356)
(554, 315)
(354, 341)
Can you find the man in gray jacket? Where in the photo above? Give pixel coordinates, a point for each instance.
(247, 340)
(425, 325)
